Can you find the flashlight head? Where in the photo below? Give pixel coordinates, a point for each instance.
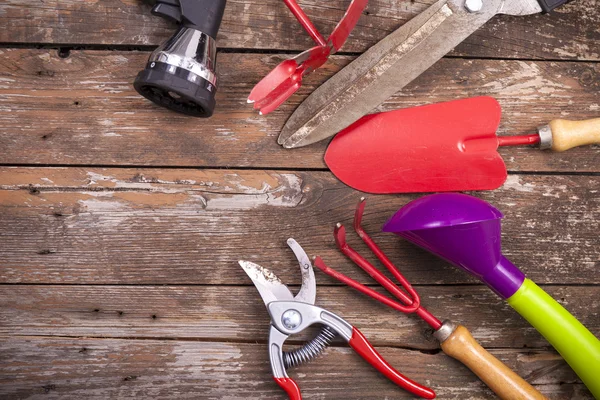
(180, 74)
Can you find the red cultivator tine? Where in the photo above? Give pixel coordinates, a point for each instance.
(377, 251)
(319, 263)
(411, 300)
(286, 78)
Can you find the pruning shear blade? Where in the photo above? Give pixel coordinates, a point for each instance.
(267, 283)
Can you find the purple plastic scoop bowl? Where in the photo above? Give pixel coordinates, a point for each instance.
(463, 230)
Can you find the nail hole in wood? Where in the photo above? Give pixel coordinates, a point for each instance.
(45, 73)
(76, 103)
(64, 52)
(48, 388)
(33, 190)
(154, 316)
(46, 251)
(120, 313)
(96, 310)
(83, 350)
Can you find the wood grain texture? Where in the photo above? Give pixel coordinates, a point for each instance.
(236, 313)
(83, 110)
(75, 368)
(119, 278)
(174, 226)
(568, 33)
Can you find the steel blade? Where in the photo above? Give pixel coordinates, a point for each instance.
(383, 70)
(308, 290)
(267, 283)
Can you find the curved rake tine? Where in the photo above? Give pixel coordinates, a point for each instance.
(412, 300)
(319, 263)
(358, 214)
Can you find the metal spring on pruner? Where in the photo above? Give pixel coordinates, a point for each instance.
(310, 350)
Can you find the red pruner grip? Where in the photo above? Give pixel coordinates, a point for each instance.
(361, 345)
(290, 387)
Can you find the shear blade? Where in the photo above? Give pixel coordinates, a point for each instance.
(267, 283)
(308, 290)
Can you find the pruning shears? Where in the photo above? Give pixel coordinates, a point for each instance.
(292, 314)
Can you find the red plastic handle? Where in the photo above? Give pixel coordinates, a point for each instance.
(290, 387)
(306, 23)
(361, 345)
(346, 25)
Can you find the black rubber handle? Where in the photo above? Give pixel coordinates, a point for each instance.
(549, 5)
(168, 9)
(203, 15)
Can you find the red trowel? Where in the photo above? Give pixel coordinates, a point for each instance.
(441, 147)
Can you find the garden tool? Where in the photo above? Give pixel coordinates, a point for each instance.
(465, 231)
(286, 78)
(455, 340)
(441, 147)
(293, 314)
(392, 63)
(180, 73)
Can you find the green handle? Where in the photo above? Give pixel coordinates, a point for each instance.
(574, 342)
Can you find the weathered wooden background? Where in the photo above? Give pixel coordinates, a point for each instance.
(121, 223)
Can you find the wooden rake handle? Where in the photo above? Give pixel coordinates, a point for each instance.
(502, 380)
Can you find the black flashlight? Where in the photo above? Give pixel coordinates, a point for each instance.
(180, 73)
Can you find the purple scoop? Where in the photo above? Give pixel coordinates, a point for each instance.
(463, 230)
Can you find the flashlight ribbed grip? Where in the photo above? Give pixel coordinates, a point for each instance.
(203, 15)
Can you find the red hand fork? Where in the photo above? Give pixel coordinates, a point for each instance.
(286, 78)
(455, 340)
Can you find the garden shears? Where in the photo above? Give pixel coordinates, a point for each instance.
(394, 62)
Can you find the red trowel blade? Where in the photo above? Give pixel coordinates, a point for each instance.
(441, 147)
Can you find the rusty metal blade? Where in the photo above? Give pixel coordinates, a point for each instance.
(267, 283)
(383, 70)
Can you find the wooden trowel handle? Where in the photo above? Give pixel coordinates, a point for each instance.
(497, 376)
(568, 134)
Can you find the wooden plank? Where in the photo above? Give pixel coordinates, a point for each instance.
(185, 226)
(74, 368)
(568, 33)
(232, 313)
(83, 110)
